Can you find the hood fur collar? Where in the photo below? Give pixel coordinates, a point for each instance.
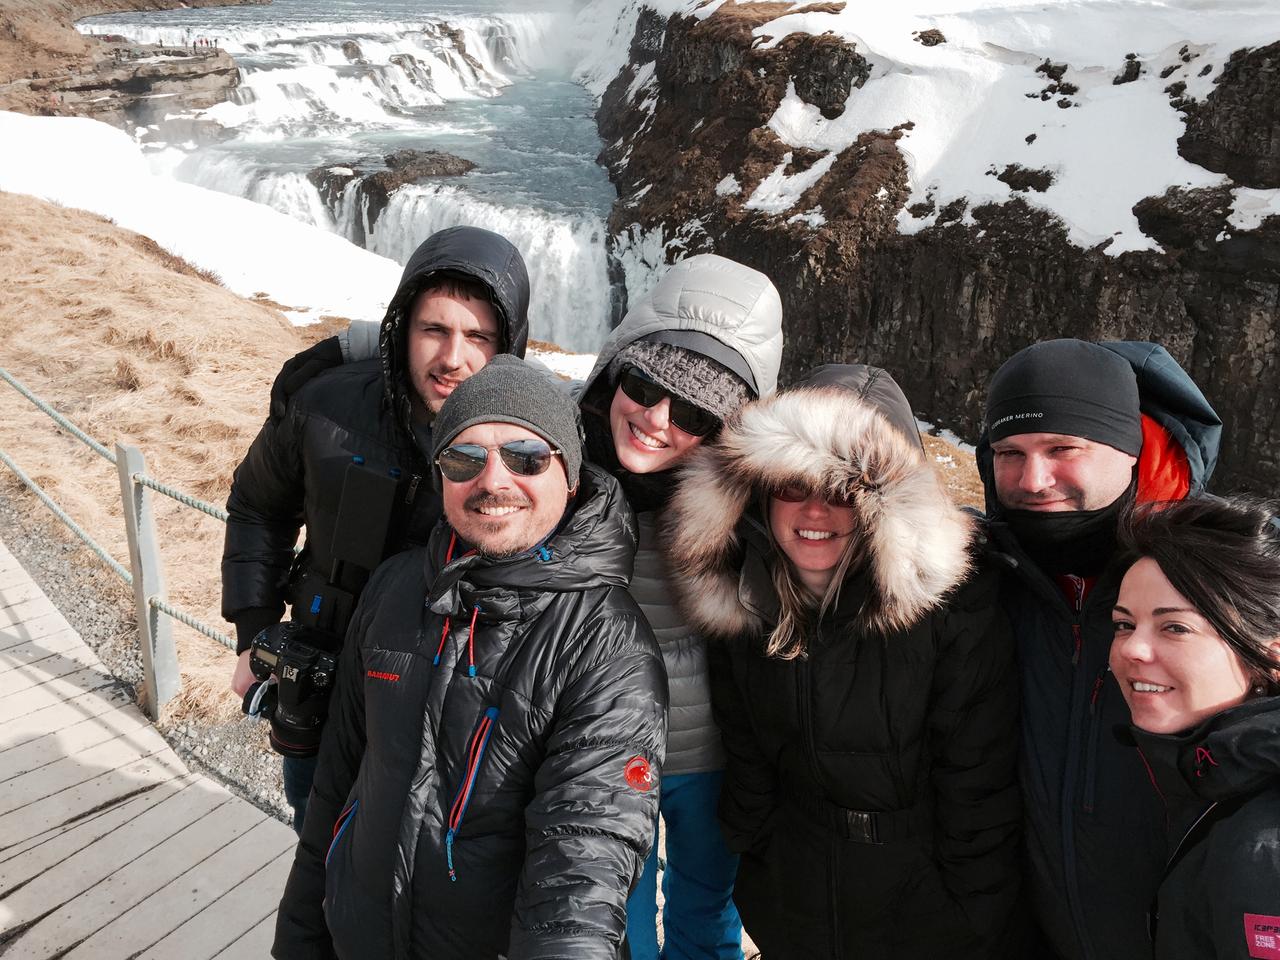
(834, 440)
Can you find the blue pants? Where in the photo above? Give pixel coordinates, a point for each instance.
(299, 772)
(699, 920)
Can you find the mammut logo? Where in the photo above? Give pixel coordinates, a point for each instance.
(1203, 755)
(380, 675)
(1262, 936)
(638, 774)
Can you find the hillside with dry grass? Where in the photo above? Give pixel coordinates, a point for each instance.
(134, 345)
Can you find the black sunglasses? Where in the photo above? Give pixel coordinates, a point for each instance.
(647, 392)
(796, 493)
(464, 461)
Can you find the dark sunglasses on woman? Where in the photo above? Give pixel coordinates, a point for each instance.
(526, 458)
(647, 392)
(796, 494)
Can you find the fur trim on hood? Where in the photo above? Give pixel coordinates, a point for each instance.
(841, 434)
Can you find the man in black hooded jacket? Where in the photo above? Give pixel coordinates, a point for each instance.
(463, 298)
(488, 779)
(1076, 431)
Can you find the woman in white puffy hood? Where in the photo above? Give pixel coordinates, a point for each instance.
(704, 341)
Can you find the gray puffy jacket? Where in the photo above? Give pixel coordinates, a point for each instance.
(741, 309)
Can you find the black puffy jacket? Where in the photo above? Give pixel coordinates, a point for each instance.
(870, 783)
(500, 811)
(357, 414)
(1221, 899)
(1094, 828)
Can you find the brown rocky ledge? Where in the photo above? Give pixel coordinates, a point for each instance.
(377, 183)
(48, 67)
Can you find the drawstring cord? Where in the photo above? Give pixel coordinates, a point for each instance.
(471, 632)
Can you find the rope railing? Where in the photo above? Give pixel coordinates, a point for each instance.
(62, 515)
(160, 668)
(183, 498)
(183, 617)
(62, 421)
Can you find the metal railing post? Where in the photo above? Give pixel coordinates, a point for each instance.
(161, 678)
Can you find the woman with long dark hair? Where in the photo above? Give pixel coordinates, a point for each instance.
(1197, 657)
(862, 678)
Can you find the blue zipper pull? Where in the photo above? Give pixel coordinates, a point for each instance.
(448, 853)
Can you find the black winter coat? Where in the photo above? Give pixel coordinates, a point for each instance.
(505, 813)
(356, 415)
(1221, 900)
(1094, 841)
(870, 783)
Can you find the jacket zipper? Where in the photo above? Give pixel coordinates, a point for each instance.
(1096, 700)
(806, 720)
(339, 828)
(1072, 771)
(413, 488)
(475, 756)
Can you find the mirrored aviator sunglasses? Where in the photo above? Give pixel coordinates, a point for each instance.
(647, 392)
(797, 493)
(525, 458)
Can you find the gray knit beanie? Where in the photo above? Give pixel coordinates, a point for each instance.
(686, 373)
(510, 390)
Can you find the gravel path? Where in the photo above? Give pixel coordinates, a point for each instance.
(100, 607)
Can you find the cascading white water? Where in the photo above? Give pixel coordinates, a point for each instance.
(489, 87)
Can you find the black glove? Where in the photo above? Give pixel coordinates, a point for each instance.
(251, 622)
(299, 369)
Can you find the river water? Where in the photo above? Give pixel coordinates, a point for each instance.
(326, 84)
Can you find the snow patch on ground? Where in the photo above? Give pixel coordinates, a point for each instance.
(925, 427)
(1250, 207)
(575, 366)
(778, 191)
(729, 186)
(252, 248)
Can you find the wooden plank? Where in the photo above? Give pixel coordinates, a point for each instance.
(12, 573)
(53, 691)
(212, 930)
(13, 634)
(65, 882)
(36, 650)
(57, 716)
(73, 740)
(20, 613)
(47, 850)
(88, 796)
(19, 592)
(51, 666)
(256, 943)
(130, 884)
(69, 771)
(189, 894)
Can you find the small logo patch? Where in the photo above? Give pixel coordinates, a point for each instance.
(1262, 936)
(380, 675)
(640, 776)
(1203, 756)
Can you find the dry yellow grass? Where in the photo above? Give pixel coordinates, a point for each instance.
(133, 345)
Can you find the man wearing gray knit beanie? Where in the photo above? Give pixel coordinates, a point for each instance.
(488, 780)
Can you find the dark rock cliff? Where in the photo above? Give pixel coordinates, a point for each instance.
(941, 308)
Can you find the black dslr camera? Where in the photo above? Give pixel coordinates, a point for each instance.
(298, 702)
(302, 653)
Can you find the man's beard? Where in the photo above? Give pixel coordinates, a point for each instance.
(506, 546)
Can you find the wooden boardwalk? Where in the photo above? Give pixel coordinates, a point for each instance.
(109, 846)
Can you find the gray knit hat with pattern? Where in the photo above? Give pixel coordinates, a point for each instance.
(510, 390)
(685, 373)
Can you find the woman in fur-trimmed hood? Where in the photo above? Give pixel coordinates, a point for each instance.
(862, 679)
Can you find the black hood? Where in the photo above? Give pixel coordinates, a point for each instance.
(1168, 395)
(467, 252)
(1234, 752)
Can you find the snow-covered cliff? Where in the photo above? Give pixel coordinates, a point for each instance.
(932, 186)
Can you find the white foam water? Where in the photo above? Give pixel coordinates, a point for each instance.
(492, 87)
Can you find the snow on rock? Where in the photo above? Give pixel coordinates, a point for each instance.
(1250, 207)
(252, 248)
(978, 103)
(729, 186)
